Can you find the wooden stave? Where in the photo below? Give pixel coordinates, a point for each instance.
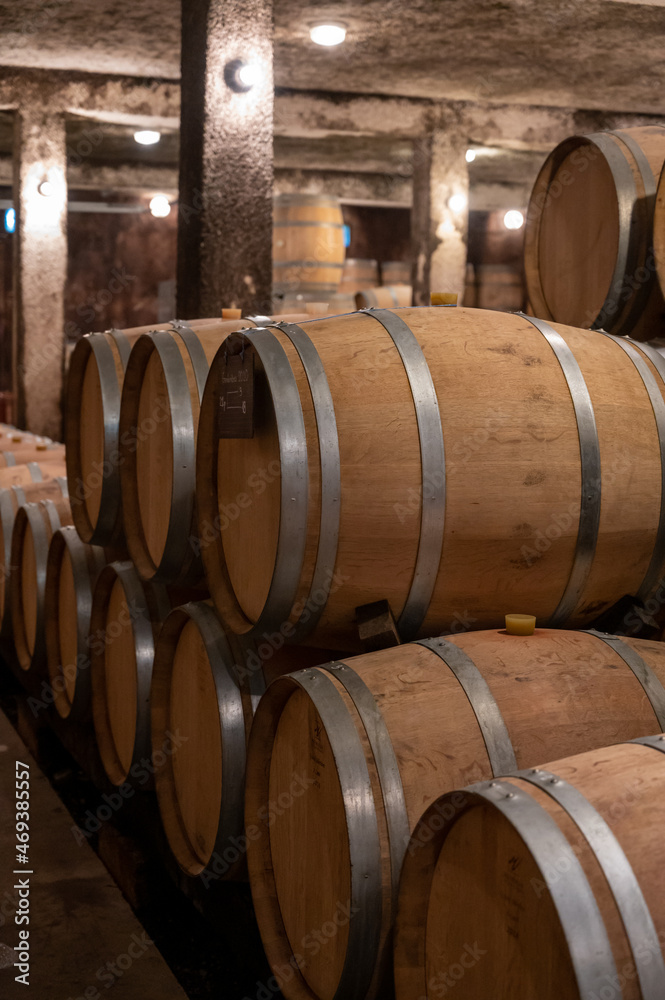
(149, 607)
(639, 317)
(11, 498)
(87, 561)
(43, 519)
(605, 841)
(214, 557)
(261, 859)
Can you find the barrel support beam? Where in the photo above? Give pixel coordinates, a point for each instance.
(40, 266)
(226, 159)
(440, 214)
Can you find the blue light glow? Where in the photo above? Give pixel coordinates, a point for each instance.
(10, 220)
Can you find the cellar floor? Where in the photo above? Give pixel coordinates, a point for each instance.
(206, 933)
(83, 937)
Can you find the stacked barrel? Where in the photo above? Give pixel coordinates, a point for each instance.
(241, 489)
(244, 493)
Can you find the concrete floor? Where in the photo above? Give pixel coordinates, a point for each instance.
(83, 936)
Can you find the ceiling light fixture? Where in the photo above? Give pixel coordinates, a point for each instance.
(513, 219)
(147, 137)
(241, 76)
(160, 206)
(328, 34)
(470, 155)
(46, 189)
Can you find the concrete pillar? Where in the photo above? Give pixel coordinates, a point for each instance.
(40, 267)
(440, 215)
(226, 159)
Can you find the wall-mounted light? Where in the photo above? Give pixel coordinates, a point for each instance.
(470, 155)
(46, 189)
(328, 34)
(10, 220)
(241, 76)
(160, 206)
(513, 219)
(147, 137)
(457, 202)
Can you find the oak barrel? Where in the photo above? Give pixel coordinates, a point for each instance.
(159, 414)
(588, 241)
(328, 494)
(71, 571)
(13, 440)
(124, 623)
(33, 528)
(11, 498)
(354, 751)
(499, 286)
(384, 297)
(396, 272)
(205, 687)
(27, 451)
(358, 274)
(92, 413)
(545, 883)
(308, 244)
(30, 472)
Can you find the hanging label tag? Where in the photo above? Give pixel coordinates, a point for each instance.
(235, 396)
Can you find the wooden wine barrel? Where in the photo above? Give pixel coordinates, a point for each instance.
(384, 297)
(71, 571)
(335, 303)
(396, 272)
(33, 528)
(587, 254)
(10, 500)
(124, 622)
(205, 687)
(308, 244)
(373, 741)
(26, 452)
(15, 440)
(504, 404)
(546, 883)
(499, 286)
(358, 274)
(31, 472)
(159, 414)
(92, 413)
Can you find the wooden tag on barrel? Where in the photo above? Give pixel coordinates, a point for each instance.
(235, 395)
(376, 626)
